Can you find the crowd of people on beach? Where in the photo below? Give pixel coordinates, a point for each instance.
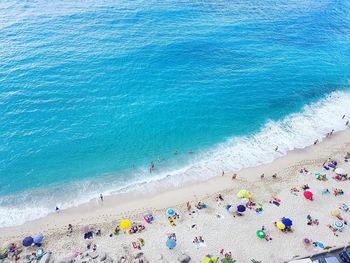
(328, 172)
(247, 202)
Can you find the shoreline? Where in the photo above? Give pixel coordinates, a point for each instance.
(116, 207)
(113, 202)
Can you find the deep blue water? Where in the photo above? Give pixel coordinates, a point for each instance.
(92, 92)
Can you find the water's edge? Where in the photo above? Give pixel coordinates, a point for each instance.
(295, 131)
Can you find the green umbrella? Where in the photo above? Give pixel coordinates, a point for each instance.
(5, 248)
(228, 260)
(261, 234)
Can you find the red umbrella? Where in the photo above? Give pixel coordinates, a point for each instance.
(308, 195)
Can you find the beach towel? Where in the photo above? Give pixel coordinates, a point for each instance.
(202, 244)
(260, 213)
(319, 176)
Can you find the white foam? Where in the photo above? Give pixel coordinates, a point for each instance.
(295, 131)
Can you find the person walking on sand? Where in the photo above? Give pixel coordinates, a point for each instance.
(347, 123)
(262, 176)
(101, 197)
(276, 149)
(234, 176)
(343, 117)
(188, 206)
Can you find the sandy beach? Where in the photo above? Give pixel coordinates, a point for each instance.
(218, 228)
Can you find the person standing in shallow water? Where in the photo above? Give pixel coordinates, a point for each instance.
(151, 168)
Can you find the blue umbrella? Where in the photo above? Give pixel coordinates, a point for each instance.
(38, 238)
(287, 221)
(28, 241)
(241, 208)
(170, 212)
(171, 243)
(319, 244)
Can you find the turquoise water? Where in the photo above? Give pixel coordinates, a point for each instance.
(92, 92)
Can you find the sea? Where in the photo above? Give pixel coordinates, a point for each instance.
(92, 92)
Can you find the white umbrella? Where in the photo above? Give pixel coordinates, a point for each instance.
(340, 171)
(339, 224)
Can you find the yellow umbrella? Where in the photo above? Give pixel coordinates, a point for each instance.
(242, 193)
(125, 224)
(249, 195)
(280, 226)
(335, 213)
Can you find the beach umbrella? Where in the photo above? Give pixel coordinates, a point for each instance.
(5, 248)
(28, 241)
(339, 224)
(335, 213)
(261, 234)
(287, 221)
(170, 212)
(171, 243)
(249, 195)
(227, 260)
(210, 259)
(280, 226)
(244, 200)
(38, 238)
(125, 224)
(319, 244)
(340, 171)
(242, 193)
(307, 241)
(241, 208)
(308, 195)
